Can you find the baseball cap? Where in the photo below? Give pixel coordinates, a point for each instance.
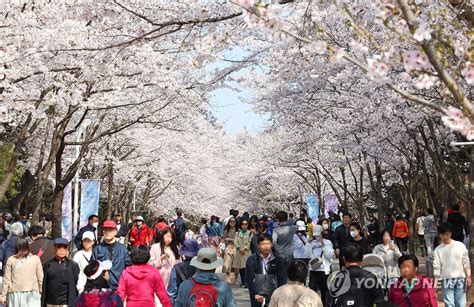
(88, 235)
(109, 224)
(301, 225)
(317, 230)
(61, 242)
(139, 218)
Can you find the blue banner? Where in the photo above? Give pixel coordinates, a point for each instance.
(312, 206)
(66, 221)
(90, 193)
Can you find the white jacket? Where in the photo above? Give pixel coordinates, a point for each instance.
(82, 259)
(313, 250)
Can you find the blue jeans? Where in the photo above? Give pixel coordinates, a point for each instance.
(454, 293)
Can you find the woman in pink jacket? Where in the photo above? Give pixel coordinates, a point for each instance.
(164, 254)
(141, 281)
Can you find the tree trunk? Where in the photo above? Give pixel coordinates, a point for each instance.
(57, 211)
(10, 171)
(110, 193)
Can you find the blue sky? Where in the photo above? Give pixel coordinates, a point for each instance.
(234, 114)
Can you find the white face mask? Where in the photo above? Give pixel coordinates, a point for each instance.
(95, 225)
(354, 233)
(325, 226)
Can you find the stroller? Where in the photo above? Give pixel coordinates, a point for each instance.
(376, 265)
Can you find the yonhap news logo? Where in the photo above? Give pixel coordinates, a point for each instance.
(339, 283)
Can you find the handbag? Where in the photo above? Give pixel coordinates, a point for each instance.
(316, 262)
(265, 284)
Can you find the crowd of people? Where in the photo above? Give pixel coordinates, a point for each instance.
(281, 260)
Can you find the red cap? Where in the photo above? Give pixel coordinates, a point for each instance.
(109, 224)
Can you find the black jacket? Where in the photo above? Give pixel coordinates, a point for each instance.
(78, 238)
(73, 270)
(123, 230)
(458, 223)
(341, 236)
(253, 266)
(366, 295)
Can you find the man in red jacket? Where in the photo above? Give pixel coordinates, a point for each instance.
(141, 234)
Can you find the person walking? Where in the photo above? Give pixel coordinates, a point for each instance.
(203, 230)
(228, 238)
(214, 233)
(300, 240)
(121, 227)
(358, 238)
(97, 290)
(60, 278)
(23, 278)
(430, 229)
(159, 228)
(364, 289)
(140, 282)
(420, 231)
(342, 236)
(111, 249)
(205, 286)
(183, 270)
(92, 225)
(242, 246)
(320, 252)
(179, 227)
(164, 254)
(390, 254)
(412, 289)
(82, 258)
(261, 228)
(400, 233)
(327, 233)
(458, 223)
(294, 293)
(282, 236)
(41, 245)
(140, 234)
(451, 264)
(264, 271)
(8, 246)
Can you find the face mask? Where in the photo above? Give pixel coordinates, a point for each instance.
(354, 233)
(95, 225)
(325, 226)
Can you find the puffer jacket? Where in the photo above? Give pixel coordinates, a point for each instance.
(99, 298)
(138, 285)
(422, 295)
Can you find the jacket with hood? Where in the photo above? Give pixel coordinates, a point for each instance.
(99, 298)
(390, 257)
(422, 295)
(225, 298)
(118, 254)
(141, 236)
(138, 285)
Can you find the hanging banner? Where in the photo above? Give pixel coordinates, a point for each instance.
(312, 205)
(90, 192)
(331, 204)
(66, 221)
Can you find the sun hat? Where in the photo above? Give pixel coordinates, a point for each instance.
(190, 248)
(301, 225)
(103, 266)
(88, 235)
(207, 260)
(109, 224)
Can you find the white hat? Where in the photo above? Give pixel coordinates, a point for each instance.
(139, 218)
(103, 266)
(88, 235)
(207, 260)
(301, 225)
(317, 230)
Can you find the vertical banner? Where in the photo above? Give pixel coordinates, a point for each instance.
(66, 222)
(90, 192)
(331, 203)
(312, 205)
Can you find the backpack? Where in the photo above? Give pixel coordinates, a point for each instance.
(430, 225)
(179, 226)
(202, 295)
(158, 234)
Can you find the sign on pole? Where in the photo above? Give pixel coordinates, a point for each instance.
(90, 193)
(66, 222)
(312, 205)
